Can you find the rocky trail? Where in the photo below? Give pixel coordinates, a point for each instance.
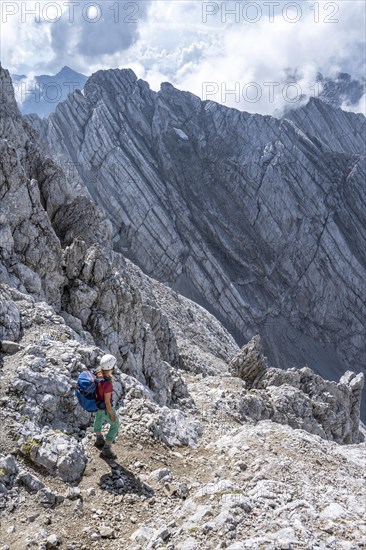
(244, 485)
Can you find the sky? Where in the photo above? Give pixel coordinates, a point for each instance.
(256, 56)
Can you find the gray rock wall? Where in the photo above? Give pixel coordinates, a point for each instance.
(259, 220)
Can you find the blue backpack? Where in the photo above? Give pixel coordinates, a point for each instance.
(86, 391)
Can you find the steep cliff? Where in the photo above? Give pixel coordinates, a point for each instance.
(56, 246)
(259, 220)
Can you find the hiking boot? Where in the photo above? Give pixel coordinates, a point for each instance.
(99, 443)
(108, 453)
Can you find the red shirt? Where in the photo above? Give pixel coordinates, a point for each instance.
(104, 387)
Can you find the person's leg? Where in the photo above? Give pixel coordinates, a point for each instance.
(112, 433)
(97, 429)
(113, 429)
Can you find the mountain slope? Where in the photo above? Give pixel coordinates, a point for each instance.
(259, 220)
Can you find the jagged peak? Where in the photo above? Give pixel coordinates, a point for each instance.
(8, 105)
(65, 69)
(110, 80)
(123, 75)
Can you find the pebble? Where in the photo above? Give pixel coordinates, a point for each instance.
(52, 541)
(162, 533)
(106, 532)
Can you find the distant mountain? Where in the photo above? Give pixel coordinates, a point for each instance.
(42, 94)
(343, 90)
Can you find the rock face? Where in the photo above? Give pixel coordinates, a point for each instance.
(38, 208)
(259, 220)
(299, 397)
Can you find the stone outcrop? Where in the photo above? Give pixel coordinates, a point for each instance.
(260, 220)
(249, 364)
(57, 454)
(299, 397)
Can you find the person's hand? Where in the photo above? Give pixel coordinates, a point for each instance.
(113, 417)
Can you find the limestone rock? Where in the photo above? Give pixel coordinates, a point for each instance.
(172, 427)
(52, 541)
(8, 466)
(58, 455)
(299, 397)
(10, 316)
(31, 482)
(280, 248)
(10, 347)
(249, 364)
(161, 473)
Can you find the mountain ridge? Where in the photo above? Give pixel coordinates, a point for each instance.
(268, 186)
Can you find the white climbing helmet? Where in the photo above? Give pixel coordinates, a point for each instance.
(107, 362)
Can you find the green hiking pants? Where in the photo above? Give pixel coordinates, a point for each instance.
(102, 417)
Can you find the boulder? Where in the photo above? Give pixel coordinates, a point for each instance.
(249, 364)
(31, 482)
(59, 455)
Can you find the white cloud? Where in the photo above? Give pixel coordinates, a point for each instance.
(23, 87)
(37, 36)
(172, 42)
(360, 107)
(235, 54)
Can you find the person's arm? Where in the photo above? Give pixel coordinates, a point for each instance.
(108, 404)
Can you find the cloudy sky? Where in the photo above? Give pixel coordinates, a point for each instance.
(242, 53)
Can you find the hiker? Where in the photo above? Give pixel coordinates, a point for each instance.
(106, 412)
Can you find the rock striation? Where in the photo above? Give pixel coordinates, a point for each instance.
(259, 220)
